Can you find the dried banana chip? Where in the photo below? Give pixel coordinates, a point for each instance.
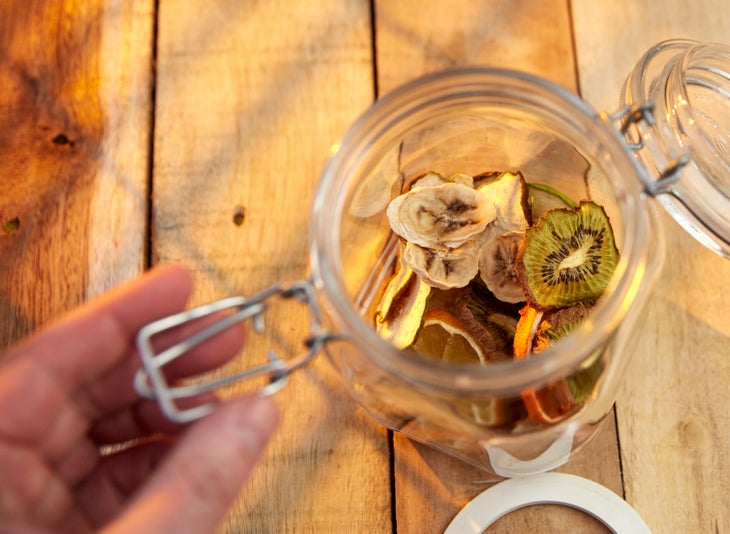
(444, 269)
(440, 216)
(497, 266)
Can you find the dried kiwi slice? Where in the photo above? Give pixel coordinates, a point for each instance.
(567, 257)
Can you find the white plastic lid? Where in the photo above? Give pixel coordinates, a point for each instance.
(548, 488)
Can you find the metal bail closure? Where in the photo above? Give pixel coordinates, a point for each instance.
(683, 179)
(150, 381)
(631, 116)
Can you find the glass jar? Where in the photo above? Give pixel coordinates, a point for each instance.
(670, 142)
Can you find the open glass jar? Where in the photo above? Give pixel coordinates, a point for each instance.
(472, 121)
(670, 141)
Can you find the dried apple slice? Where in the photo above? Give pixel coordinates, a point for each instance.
(398, 316)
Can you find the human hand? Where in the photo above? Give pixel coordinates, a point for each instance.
(68, 390)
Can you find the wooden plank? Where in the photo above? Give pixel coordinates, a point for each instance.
(672, 412)
(530, 36)
(74, 100)
(250, 97)
(118, 222)
(611, 36)
(415, 38)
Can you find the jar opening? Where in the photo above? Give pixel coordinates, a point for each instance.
(471, 121)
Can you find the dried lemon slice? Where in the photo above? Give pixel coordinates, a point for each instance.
(443, 337)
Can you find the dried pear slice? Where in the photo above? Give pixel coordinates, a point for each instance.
(398, 316)
(441, 216)
(509, 193)
(444, 269)
(567, 257)
(497, 266)
(434, 178)
(541, 198)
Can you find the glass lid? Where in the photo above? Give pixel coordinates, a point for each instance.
(678, 122)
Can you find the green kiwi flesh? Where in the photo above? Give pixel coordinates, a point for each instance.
(568, 256)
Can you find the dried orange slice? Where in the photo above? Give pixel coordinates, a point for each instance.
(548, 404)
(444, 337)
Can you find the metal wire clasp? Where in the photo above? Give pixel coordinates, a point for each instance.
(632, 115)
(150, 381)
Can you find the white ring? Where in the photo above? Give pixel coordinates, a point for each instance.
(548, 488)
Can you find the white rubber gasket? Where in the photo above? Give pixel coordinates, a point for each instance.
(548, 488)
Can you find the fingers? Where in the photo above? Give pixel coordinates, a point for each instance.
(91, 354)
(40, 378)
(114, 390)
(32, 493)
(194, 487)
(142, 419)
(103, 495)
(126, 416)
(97, 336)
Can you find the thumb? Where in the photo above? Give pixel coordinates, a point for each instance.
(194, 487)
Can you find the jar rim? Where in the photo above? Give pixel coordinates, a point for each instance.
(510, 376)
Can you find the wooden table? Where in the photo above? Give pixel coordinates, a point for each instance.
(140, 132)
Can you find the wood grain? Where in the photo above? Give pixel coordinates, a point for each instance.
(530, 36)
(59, 141)
(250, 97)
(118, 221)
(415, 38)
(673, 420)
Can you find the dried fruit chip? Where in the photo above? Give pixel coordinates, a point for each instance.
(440, 216)
(444, 269)
(497, 266)
(508, 193)
(434, 178)
(399, 313)
(567, 257)
(443, 337)
(541, 198)
(552, 402)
